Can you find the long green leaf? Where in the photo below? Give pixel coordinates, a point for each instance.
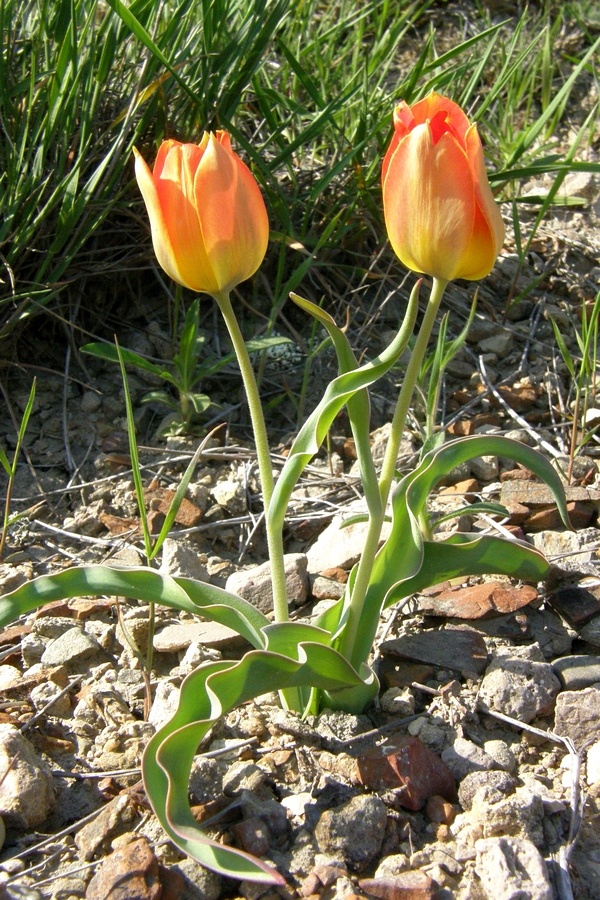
(143, 584)
(208, 693)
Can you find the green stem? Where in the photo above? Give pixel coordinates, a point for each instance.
(274, 535)
(352, 625)
(388, 468)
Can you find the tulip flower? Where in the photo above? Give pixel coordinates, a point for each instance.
(207, 215)
(440, 213)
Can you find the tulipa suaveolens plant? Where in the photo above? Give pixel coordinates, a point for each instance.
(210, 230)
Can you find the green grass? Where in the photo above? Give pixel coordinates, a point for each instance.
(307, 90)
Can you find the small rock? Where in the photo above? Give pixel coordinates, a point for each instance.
(413, 885)
(355, 830)
(199, 883)
(484, 468)
(465, 757)
(437, 809)
(231, 496)
(43, 694)
(26, 786)
(500, 343)
(501, 754)
(519, 688)
(471, 783)
(71, 648)
(576, 672)
(512, 867)
(408, 767)
(591, 632)
(181, 559)
(252, 835)
(255, 585)
(339, 546)
(164, 705)
(577, 715)
(130, 873)
(461, 650)
(576, 603)
(398, 701)
(9, 677)
(593, 764)
(115, 818)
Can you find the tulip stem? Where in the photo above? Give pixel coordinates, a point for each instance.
(413, 368)
(353, 640)
(274, 535)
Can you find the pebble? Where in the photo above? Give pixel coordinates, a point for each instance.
(511, 867)
(26, 788)
(414, 885)
(495, 779)
(339, 546)
(521, 688)
(576, 672)
(354, 830)
(116, 817)
(182, 559)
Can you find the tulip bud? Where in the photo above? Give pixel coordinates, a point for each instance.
(440, 214)
(207, 215)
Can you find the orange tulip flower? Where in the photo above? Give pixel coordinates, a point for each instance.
(440, 214)
(207, 215)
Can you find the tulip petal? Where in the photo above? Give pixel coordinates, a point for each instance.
(488, 228)
(429, 203)
(175, 188)
(232, 213)
(158, 226)
(432, 105)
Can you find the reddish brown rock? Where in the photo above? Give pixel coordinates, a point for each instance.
(130, 873)
(413, 885)
(407, 766)
(438, 810)
(253, 836)
(478, 601)
(173, 884)
(467, 488)
(577, 604)
(581, 514)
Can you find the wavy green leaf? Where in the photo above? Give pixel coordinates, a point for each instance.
(208, 693)
(139, 584)
(466, 554)
(402, 556)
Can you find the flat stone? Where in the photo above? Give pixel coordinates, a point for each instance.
(576, 672)
(71, 647)
(577, 715)
(176, 637)
(494, 780)
(129, 873)
(409, 768)
(511, 867)
(577, 604)
(477, 601)
(581, 515)
(591, 632)
(26, 785)
(461, 650)
(533, 493)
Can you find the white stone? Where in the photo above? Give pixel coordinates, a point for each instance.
(511, 868)
(26, 788)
